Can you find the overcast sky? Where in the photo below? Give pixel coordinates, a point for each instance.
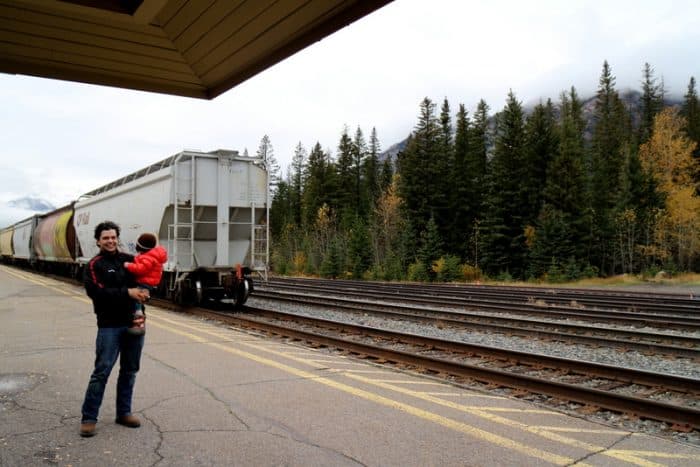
(62, 139)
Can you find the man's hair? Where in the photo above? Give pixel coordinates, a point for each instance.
(106, 225)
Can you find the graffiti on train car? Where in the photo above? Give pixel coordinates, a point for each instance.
(83, 218)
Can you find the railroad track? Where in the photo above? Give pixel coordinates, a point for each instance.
(656, 396)
(651, 302)
(648, 342)
(594, 387)
(686, 320)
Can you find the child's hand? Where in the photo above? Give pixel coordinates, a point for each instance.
(126, 265)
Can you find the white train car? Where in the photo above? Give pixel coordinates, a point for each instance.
(208, 209)
(22, 240)
(6, 250)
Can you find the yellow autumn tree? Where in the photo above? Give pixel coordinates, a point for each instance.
(388, 222)
(667, 156)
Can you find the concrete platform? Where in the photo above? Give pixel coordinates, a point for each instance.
(213, 396)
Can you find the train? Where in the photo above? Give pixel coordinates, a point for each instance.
(210, 210)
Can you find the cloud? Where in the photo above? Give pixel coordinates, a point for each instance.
(62, 139)
(9, 215)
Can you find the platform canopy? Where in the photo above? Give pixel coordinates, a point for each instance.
(195, 48)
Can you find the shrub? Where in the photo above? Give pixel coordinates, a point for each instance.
(555, 274)
(589, 272)
(446, 268)
(418, 272)
(470, 273)
(299, 262)
(504, 277)
(571, 270)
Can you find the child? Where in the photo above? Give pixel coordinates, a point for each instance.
(147, 269)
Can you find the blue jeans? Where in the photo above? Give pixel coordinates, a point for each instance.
(110, 344)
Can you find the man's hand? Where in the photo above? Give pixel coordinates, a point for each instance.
(140, 295)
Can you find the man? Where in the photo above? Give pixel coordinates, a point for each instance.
(113, 294)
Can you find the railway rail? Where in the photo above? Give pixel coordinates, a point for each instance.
(651, 302)
(657, 396)
(657, 343)
(686, 320)
(593, 388)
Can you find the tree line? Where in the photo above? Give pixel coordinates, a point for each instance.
(540, 195)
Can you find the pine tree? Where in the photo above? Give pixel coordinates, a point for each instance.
(476, 164)
(371, 170)
(345, 199)
(431, 246)
(503, 226)
(386, 175)
(281, 209)
(463, 188)
(331, 265)
(267, 154)
(359, 249)
(564, 195)
(608, 145)
(690, 110)
(318, 177)
(551, 242)
(541, 146)
(297, 182)
(441, 169)
(418, 169)
(651, 103)
(359, 155)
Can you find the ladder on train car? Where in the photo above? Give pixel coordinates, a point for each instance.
(259, 256)
(182, 234)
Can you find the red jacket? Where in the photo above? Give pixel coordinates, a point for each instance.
(147, 267)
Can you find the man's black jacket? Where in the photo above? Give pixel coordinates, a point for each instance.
(106, 282)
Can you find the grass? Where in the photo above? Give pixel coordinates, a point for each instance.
(622, 280)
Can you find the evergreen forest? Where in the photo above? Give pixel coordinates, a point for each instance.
(542, 195)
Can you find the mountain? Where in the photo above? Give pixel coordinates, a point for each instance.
(22, 208)
(630, 97)
(31, 204)
(393, 151)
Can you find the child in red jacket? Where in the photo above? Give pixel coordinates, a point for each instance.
(147, 269)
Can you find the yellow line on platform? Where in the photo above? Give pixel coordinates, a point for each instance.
(40, 281)
(631, 456)
(403, 407)
(532, 411)
(406, 381)
(622, 455)
(627, 456)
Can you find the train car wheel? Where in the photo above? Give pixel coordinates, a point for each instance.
(177, 297)
(198, 294)
(242, 292)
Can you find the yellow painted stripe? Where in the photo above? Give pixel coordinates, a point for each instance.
(626, 456)
(415, 383)
(630, 456)
(39, 281)
(565, 429)
(478, 411)
(417, 412)
(532, 411)
(663, 455)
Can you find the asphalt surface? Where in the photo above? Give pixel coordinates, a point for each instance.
(214, 396)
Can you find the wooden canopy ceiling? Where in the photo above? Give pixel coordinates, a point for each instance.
(195, 48)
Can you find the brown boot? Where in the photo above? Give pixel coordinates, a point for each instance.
(87, 429)
(131, 421)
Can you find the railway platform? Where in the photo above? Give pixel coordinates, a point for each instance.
(215, 396)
